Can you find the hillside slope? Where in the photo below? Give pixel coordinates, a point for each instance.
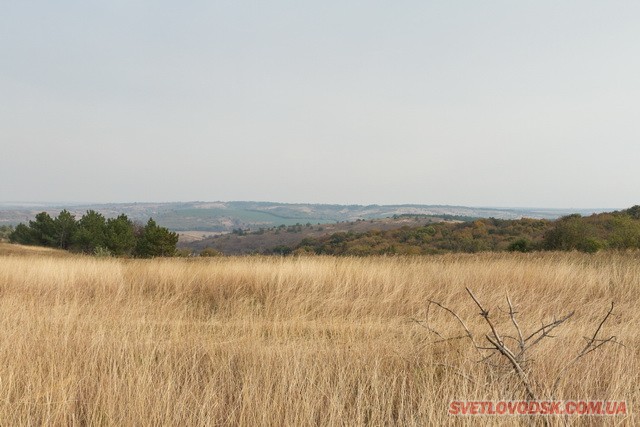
(618, 230)
(278, 238)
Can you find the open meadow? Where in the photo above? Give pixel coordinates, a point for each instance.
(301, 340)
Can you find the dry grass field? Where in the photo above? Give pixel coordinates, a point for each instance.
(298, 341)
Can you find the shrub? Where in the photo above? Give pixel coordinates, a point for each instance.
(591, 245)
(183, 253)
(210, 252)
(102, 252)
(521, 245)
(282, 250)
(5, 232)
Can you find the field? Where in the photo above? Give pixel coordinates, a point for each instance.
(299, 341)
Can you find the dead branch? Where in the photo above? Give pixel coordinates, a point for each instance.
(545, 332)
(464, 325)
(485, 314)
(512, 315)
(593, 344)
(547, 328)
(516, 360)
(516, 366)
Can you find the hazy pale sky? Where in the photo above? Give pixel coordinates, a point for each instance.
(492, 103)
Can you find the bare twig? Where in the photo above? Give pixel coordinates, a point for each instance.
(547, 328)
(545, 332)
(595, 334)
(512, 315)
(464, 325)
(588, 348)
(516, 366)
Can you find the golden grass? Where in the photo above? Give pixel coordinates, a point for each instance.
(14, 249)
(295, 341)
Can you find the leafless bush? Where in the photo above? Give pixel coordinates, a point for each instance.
(516, 355)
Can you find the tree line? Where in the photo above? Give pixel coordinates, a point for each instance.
(95, 234)
(617, 230)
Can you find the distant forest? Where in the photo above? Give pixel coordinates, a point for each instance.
(614, 230)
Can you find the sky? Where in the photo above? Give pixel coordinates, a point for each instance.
(494, 103)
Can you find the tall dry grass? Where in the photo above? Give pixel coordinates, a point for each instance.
(295, 341)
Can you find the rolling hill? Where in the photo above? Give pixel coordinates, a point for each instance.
(205, 218)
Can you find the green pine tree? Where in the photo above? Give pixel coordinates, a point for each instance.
(120, 237)
(65, 227)
(156, 241)
(91, 233)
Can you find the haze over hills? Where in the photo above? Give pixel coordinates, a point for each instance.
(220, 217)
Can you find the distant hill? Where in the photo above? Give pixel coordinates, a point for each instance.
(204, 218)
(241, 242)
(432, 235)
